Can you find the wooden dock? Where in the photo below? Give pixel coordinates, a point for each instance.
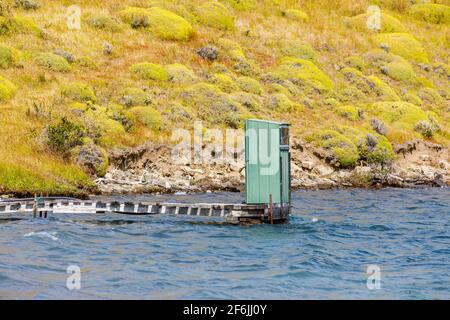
(232, 213)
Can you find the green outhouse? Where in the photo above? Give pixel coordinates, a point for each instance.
(267, 163)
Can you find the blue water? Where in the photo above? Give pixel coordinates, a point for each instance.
(322, 253)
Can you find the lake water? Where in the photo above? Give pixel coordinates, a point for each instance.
(322, 253)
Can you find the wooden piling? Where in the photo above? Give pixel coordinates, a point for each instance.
(270, 209)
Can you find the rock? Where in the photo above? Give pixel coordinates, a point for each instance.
(208, 52)
(107, 48)
(66, 55)
(307, 164)
(322, 170)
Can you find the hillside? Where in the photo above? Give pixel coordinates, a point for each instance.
(136, 70)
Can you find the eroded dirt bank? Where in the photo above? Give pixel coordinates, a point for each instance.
(150, 168)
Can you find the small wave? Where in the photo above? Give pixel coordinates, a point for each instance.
(51, 235)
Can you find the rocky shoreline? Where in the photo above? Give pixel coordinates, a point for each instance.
(149, 169)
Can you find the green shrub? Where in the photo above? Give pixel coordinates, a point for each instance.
(9, 56)
(231, 49)
(357, 79)
(78, 91)
(425, 128)
(64, 135)
(27, 4)
(86, 62)
(281, 103)
(404, 45)
(297, 49)
(105, 22)
(53, 62)
(349, 112)
(247, 100)
(101, 128)
(92, 158)
(26, 25)
(382, 89)
(356, 63)
(249, 85)
(149, 71)
(296, 15)
(430, 95)
(162, 23)
(376, 149)
(224, 82)
(7, 89)
(148, 116)
(118, 113)
(401, 71)
(303, 73)
(241, 5)
(214, 14)
(412, 98)
(180, 74)
(134, 97)
(388, 23)
(430, 12)
(342, 152)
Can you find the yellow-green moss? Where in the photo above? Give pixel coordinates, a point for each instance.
(9, 56)
(7, 89)
(342, 151)
(241, 5)
(247, 100)
(148, 116)
(296, 15)
(26, 25)
(180, 74)
(303, 73)
(281, 103)
(224, 82)
(401, 71)
(382, 89)
(412, 98)
(105, 22)
(399, 114)
(214, 14)
(297, 49)
(230, 49)
(387, 24)
(159, 22)
(431, 12)
(356, 63)
(348, 111)
(149, 71)
(211, 104)
(78, 91)
(52, 62)
(404, 45)
(131, 96)
(249, 85)
(356, 78)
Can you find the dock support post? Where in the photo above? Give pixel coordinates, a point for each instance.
(270, 209)
(35, 206)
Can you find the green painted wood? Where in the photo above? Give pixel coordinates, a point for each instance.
(266, 165)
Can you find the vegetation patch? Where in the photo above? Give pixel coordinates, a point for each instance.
(64, 135)
(105, 22)
(303, 73)
(404, 45)
(382, 89)
(341, 151)
(431, 12)
(356, 62)
(180, 74)
(149, 71)
(241, 5)
(348, 111)
(296, 15)
(148, 116)
(401, 71)
(131, 97)
(298, 49)
(7, 89)
(224, 82)
(214, 14)
(388, 23)
(9, 56)
(53, 62)
(249, 85)
(281, 103)
(78, 91)
(161, 23)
